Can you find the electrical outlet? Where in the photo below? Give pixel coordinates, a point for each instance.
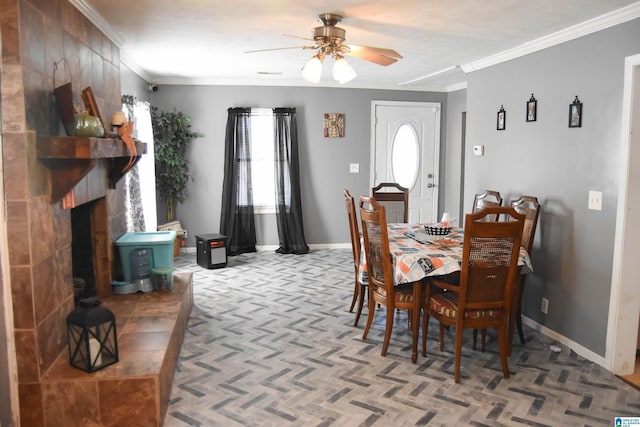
(544, 305)
(595, 200)
(354, 167)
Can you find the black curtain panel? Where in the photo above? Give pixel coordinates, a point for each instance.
(237, 217)
(287, 183)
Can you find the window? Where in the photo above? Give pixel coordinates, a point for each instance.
(141, 115)
(262, 160)
(405, 156)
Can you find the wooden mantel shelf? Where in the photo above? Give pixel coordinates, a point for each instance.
(71, 158)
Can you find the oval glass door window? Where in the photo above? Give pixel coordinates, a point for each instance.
(405, 156)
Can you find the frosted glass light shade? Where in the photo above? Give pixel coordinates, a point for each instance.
(342, 71)
(312, 70)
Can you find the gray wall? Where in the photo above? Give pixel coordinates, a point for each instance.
(453, 152)
(324, 162)
(133, 84)
(574, 246)
(573, 250)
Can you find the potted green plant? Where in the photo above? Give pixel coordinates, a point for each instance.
(172, 135)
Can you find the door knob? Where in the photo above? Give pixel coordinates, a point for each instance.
(430, 185)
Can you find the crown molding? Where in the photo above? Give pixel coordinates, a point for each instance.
(92, 15)
(445, 72)
(590, 26)
(131, 64)
(457, 86)
(97, 20)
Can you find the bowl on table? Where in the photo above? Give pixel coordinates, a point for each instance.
(437, 229)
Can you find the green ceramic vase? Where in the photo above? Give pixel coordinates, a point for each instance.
(86, 125)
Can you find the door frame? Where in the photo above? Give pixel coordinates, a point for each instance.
(624, 303)
(436, 148)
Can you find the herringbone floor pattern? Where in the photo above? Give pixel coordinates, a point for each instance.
(270, 342)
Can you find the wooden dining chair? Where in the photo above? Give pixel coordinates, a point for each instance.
(530, 208)
(360, 288)
(382, 291)
(395, 199)
(483, 297)
(488, 198)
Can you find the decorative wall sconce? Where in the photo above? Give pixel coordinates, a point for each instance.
(502, 119)
(532, 109)
(91, 333)
(575, 113)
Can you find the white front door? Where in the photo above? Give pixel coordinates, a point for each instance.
(405, 149)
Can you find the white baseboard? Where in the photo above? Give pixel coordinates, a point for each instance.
(331, 246)
(579, 349)
(316, 246)
(192, 249)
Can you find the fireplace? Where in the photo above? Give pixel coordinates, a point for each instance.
(84, 277)
(89, 248)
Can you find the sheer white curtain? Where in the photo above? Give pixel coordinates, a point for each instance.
(140, 184)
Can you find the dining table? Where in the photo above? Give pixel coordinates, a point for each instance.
(417, 255)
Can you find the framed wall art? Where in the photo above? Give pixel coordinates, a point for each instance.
(333, 125)
(532, 109)
(575, 113)
(502, 119)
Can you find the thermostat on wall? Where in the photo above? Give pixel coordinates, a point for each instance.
(478, 150)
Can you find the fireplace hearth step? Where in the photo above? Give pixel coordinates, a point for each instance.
(151, 327)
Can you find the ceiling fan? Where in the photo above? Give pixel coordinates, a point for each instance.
(329, 42)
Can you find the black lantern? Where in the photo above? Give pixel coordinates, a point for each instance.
(91, 332)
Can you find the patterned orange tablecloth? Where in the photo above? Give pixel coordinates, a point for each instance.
(416, 255)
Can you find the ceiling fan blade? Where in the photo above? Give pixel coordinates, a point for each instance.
(280, 48)
(378, 50)
(374, 54)
(298, 37)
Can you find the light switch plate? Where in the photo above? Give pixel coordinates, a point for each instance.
(478, 150)
(354, 168)
(595, 200)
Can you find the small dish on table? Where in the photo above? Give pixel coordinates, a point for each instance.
(445, 242)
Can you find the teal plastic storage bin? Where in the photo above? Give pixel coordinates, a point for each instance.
(160, 243)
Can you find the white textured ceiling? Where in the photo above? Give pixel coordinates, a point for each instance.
(204, 41)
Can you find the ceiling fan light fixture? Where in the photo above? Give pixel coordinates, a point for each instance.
(329, 42)
(342, 71)
(312, 70)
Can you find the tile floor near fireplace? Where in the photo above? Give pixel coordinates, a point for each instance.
(134, 391)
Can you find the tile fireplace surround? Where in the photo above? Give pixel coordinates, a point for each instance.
(35, 35)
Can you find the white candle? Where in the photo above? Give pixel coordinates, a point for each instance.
(94, 350)
(118, 119)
